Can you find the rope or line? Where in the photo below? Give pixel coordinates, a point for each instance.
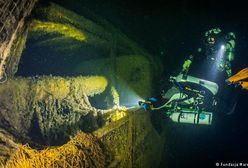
(4, 78)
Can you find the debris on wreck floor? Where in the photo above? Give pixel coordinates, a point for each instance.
(83, 150)
(130, 141)
(54, 109)
(55, 106)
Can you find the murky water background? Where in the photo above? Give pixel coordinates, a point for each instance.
(171, 31)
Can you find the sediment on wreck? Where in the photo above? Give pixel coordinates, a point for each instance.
(132, 141)
(83, 150)
(102, 70)
(56, 104)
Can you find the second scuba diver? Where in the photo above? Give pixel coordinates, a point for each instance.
(217, 54)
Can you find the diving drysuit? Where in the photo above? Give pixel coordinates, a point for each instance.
(217, 53)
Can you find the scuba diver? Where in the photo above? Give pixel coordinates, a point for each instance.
(194, 99)
(216, 54)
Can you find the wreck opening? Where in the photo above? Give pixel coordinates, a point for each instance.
(54, 54)
(68, 72)
(54, 50)
(60, 42)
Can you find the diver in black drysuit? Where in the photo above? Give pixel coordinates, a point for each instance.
(211, 62)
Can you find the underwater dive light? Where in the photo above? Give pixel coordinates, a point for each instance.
(218, 61)
(220, 54)
(222, 47)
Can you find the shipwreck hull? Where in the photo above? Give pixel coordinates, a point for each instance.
(81, 102)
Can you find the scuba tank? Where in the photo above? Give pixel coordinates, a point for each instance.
(202, 118)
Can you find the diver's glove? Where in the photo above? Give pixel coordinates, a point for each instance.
(147, 105)
(235, 84)
(228, 82)
(152, 99)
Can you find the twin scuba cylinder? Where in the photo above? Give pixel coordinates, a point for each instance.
(184, 115)
(202, 118)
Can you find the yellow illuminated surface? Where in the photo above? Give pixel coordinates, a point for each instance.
(52, 27)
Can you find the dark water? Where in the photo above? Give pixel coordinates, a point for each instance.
(171, 30)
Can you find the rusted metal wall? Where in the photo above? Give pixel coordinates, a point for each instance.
(12, 14)
(132, 141)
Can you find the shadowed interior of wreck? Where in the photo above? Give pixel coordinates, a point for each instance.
(68, 93)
